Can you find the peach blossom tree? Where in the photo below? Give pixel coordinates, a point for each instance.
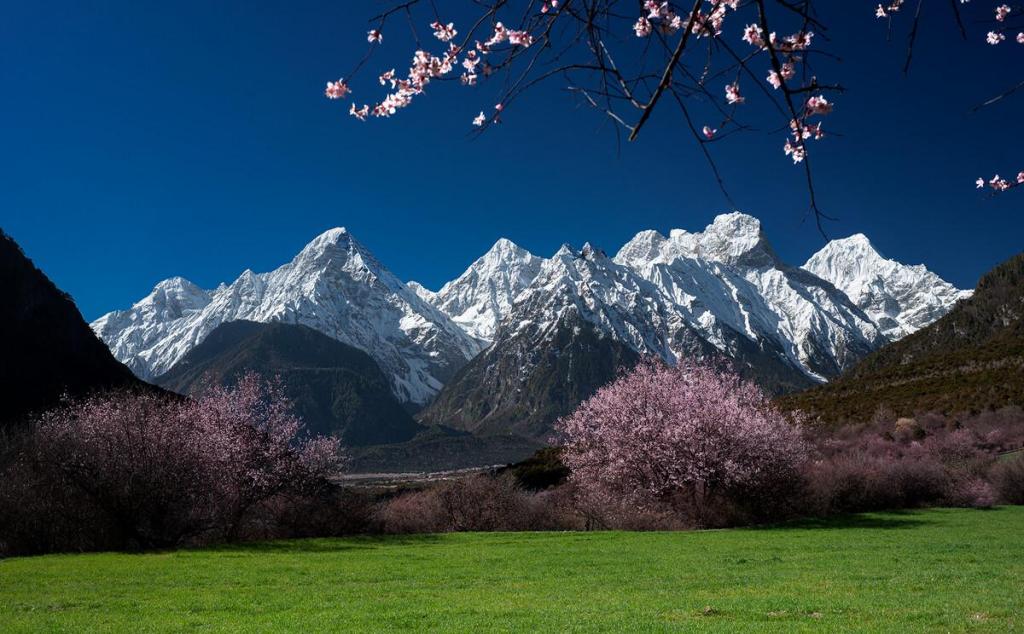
(682, 440)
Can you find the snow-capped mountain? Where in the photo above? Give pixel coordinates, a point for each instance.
(481, 297)
(334, 285)
(899, 298)
(721, 291)
(553, 330)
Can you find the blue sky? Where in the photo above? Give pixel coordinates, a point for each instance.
(145, 140)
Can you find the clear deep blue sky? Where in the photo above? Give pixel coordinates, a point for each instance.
(142, 140)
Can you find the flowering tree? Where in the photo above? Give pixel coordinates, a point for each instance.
(160, 471)
(680, 439)
(626, 59)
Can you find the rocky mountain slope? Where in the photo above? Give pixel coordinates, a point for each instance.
(971, 359)
(48, 350)
(334, 285)
(336, 389)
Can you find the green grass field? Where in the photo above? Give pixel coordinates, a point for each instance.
(928, 571)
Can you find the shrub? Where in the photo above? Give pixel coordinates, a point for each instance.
(692, 441)
(1007, 477)
(479, 503)
(150, 471)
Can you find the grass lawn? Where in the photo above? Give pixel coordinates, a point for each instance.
(928, 571)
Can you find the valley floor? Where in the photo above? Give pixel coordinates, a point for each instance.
(935, 570)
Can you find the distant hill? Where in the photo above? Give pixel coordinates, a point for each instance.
(970, 360)
(48, 349)
(337, 389)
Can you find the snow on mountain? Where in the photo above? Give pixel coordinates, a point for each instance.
(728, 281)
(334, 285)
(724, 287)
(722, 291)
(481, 297)
(899, 298)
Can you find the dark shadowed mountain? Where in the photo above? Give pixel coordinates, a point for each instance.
(48, 349)
(970, 360)
(336, 389)
(522, 383)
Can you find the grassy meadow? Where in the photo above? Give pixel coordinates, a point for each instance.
(926, 571)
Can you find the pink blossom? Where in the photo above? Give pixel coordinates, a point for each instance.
(709, 132)
(796, 150)
(500, 35)
(980, 183)
(818, 105)
(361, 113)
(1020, 38)
(1020, 178)
(753, 35)
(1001, 12)
(642, 28)
(732, 94)
(994, 38)
(788, 72)
(884, 11)
(444, 32)
(337, 89)
(520, 38)
(999, 184)
(374, 36)
(479, 119)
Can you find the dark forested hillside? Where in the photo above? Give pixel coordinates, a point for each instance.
(48, 350)
(970, 360)
(336, 389)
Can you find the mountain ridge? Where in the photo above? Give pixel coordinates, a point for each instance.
(722, 291)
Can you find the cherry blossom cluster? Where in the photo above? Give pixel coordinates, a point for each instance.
(668, 22)
(427, 66)
(789, 48)
(999, 183)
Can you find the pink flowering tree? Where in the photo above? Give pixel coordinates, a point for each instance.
(709, 60)
(684, 440)
(156, 471)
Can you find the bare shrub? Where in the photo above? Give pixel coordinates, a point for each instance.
(1007, 477)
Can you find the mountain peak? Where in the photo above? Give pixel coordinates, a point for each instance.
(733, 238)
(478, 299)
(173, 297)
(564, 251)
(644, 247)
(857, 245)
(338, 236)
(900, 298)
(735, 223)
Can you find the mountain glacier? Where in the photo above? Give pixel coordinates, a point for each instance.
(514, 323)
